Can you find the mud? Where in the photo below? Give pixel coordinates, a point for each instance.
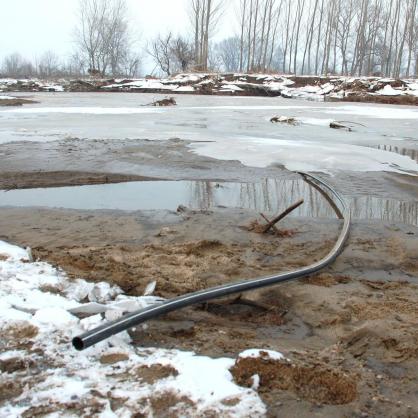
(77, 162)
(28, 180)
(349, 331)
(365, 98)
(18, 101)
(35, 164)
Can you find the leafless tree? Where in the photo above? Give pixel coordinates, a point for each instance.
(14, 65)
(229, 54)
(160, 51)
(103, 36)
(48, 65)
(205, 16)
(182, 52)
(171, 54)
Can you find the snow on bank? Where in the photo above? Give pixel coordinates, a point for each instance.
(306, 155)
(44, 374)
(303, 87)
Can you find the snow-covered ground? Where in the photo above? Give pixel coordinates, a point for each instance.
(36, 297)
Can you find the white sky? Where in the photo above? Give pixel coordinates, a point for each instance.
(32, 27)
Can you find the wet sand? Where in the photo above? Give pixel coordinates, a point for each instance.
(356, 319)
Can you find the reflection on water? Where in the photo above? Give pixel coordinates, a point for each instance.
(411, 153)
(268, 195)
(272, 195)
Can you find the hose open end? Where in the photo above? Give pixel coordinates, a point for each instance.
(78, 343)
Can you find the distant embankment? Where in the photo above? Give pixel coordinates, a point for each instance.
(332, 88)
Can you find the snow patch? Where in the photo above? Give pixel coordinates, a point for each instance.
(306, 155)
(68, 376)
(257, 353)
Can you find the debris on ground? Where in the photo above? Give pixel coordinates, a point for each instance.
(337, 125)
(284, 119)
(345, 125)
(170, 101)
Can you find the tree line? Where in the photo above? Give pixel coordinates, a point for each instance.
(302, 37)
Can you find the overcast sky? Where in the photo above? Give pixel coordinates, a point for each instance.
(32, 27)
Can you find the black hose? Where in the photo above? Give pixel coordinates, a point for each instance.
(132, 319)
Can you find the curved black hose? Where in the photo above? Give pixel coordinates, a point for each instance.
(132, 319)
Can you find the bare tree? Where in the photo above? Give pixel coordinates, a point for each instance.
(182, 52)
(229, 54)
(103, 36)
(171, 54)
(48, 65)
(205, 16)
(160, 51)
(14, 65)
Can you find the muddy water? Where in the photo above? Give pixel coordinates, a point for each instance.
(269, 195)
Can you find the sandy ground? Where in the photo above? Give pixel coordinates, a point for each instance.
(351, 330)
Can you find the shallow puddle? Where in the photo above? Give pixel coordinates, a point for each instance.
(269, 195)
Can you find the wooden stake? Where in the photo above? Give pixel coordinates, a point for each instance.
(268, 221)
(282, 215)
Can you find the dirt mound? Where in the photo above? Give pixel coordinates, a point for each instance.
(314, 383)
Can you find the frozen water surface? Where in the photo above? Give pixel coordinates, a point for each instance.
(269, 195)
(235, 127)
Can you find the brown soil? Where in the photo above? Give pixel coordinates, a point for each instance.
(10, 389)
(350, 331)
(113, 358)
(27, 180)
(150, 374)
(315, 383)
(366, 98)
(170, 405)
(18, 336)
(15, 102)
(327, 280)
(90, 407)
(178, 268)
(14, 364)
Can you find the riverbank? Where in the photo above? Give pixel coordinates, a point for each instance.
(330, 88)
